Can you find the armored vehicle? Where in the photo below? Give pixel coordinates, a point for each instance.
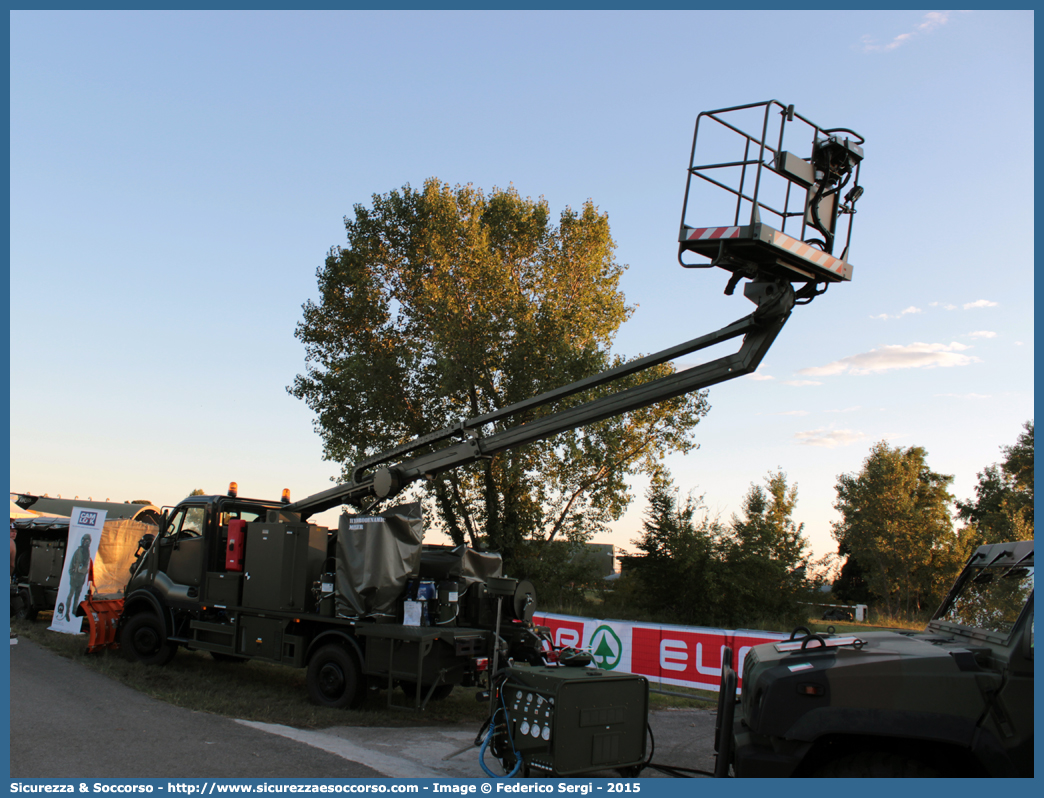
(953, 700)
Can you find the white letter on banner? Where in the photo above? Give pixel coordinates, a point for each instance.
(564, 636)
(738, 664)
(674, 655)
(699, 662)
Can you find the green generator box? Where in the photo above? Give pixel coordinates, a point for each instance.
(568, 721)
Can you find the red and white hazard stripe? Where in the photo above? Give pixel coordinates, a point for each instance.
(711, 233)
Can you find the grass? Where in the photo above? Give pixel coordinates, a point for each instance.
(269, 693)
(253, 690)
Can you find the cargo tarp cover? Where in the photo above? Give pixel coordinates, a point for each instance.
(376, 554)
(460, 562)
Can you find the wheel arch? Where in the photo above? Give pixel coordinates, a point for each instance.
(948, 758)
(338, 636)
(146, 601)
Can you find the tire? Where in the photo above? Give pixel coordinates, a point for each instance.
(24, 611)
(876, 764)
(144, 639)
(441, 692)
(334, 678)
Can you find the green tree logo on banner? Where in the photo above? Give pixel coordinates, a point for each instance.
(606, 648)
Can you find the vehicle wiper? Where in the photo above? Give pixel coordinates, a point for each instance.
(1025, 557)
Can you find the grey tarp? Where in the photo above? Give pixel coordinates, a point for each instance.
(460, 563)
(376, 554)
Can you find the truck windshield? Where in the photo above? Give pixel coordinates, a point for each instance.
(990, 598)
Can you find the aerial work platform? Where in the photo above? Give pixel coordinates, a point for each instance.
(780, 215)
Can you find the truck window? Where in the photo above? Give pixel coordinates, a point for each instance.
(188, 522)
(248, 514)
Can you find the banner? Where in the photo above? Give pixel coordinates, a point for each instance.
(85, 531)
(683, 656)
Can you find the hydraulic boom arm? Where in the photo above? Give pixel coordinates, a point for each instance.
(375, 479)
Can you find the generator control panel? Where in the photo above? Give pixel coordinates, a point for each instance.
(567, 721)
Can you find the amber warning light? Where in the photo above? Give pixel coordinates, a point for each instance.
(286, 496)
(233, 489)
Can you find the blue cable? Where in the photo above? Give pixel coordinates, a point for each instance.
(489, 736)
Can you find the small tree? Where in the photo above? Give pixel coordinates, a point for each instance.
(680, 571)
(767, 554)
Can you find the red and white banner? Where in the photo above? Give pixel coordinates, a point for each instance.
(684, 656)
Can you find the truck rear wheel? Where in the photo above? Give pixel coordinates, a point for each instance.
(334, 678)
(876, 764)
(144, 638)
(24, 609)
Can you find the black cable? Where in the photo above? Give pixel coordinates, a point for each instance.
(679, 772)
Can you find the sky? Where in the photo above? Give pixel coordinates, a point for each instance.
(178, 177)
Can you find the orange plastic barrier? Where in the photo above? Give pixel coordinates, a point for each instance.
(102, 616)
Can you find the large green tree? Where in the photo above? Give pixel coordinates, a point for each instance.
(896, 523)
(1002, 509)
(448, 303)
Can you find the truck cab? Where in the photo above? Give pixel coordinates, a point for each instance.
(193, 542)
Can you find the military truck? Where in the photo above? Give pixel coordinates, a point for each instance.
(367, 605)
(953, 700)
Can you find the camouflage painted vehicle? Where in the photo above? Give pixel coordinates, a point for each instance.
(953, 700)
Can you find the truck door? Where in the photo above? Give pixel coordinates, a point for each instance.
(182, 549)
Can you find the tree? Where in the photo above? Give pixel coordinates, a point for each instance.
(895, 522)
(1003, 506)
(767, 554)
(680, 572)
(198, 492)
(447, 304)
(767, 528)
(141, 501)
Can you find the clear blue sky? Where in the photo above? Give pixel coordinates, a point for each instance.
(177, 178)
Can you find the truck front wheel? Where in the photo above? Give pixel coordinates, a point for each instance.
(334, 678)
(145, 639)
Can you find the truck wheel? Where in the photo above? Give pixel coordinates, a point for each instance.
(145, 640)
(25, 611)
(334, 678)
(876, 764)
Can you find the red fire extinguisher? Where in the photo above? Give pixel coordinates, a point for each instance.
(236, 544)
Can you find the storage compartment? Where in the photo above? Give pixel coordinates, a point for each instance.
(236, 544)
(282, 563)
(261, 637)
(223, 589)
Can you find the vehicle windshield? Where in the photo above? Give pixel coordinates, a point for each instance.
(990, 598)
